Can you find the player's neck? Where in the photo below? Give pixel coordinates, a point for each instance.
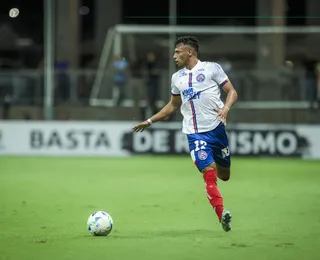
(192, 63)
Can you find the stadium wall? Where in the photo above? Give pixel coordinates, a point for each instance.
(115, 139)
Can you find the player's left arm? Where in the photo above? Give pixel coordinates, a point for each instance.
(232, 97)
(221, 78)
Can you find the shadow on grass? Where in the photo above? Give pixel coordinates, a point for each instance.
(194, 233)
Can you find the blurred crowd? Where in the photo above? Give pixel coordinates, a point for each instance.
(20, 85)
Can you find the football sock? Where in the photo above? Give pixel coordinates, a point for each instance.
(213, 193)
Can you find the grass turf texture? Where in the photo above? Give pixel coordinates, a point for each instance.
(159, 208)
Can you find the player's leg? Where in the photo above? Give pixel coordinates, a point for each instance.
(213, 192)
(223, 172)
(210, 177)
(222, 160)
(202, 155)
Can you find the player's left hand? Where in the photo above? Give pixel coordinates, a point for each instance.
(140, 127)
(222, 113)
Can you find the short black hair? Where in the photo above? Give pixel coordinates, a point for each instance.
(188, 40)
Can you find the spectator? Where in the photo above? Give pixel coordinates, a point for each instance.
(311, 77)
(287, 80)
(121, 75)
(6, 107)
(62, 81)
(152, 75)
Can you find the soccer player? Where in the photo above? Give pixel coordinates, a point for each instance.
(196, 91)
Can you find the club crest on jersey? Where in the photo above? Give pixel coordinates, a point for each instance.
(202, 155)
(200, 77)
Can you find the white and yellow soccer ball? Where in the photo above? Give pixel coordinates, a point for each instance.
(100, 223)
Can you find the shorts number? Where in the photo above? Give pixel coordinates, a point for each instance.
(200, 145)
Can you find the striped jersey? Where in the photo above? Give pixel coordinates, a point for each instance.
(199, 89)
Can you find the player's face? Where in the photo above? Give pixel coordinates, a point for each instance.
(182, 54)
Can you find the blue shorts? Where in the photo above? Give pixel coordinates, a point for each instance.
(206, 148)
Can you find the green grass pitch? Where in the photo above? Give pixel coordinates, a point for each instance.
(159, 208)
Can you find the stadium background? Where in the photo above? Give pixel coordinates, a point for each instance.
(67, 149)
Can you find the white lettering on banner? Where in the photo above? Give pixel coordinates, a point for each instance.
(160, 141)
(147, 141)
(287, 143)
(142, 142)
(245, 145)
(232, 136)
(263, 144)
(181, 144)
(249, 142)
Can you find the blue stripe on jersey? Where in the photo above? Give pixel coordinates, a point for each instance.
(194, 118)
(223, 83)
(190, 80)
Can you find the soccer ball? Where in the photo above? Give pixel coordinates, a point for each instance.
(100, 223)
(14, 12)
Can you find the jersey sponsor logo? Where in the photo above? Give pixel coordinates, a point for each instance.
(190, 93)
(200, 77)
(202, 155)
(182, 74)
(202, 69)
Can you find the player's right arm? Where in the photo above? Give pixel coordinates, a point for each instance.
(169, 109)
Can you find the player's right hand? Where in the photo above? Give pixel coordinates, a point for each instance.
(140, 127)
(223, 114)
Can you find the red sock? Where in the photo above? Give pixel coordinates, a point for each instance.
(213, 193)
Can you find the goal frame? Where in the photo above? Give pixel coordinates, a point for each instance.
(114, 41)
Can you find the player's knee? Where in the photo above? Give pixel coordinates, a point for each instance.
(224, 177)
(210, 167)
(223, 173)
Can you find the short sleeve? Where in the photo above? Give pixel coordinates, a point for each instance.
(218, 75)
(174, 90)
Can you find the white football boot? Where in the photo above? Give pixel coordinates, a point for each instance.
(226, 220)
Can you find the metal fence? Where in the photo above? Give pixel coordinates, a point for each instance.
(26, 87)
